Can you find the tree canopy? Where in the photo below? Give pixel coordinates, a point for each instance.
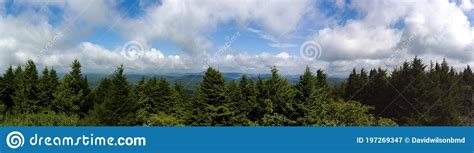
(412, 94)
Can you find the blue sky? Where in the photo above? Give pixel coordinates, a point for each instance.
(108, 36)
(248, 41)
(185, 36)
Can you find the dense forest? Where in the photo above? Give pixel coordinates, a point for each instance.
(412, 94)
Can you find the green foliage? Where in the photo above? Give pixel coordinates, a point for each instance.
(305, 86)
(277, 120)
(98, 95)
(347, 114)
(26, 93)
(280, 93)
(162, 96)
(219, 115)
(356, 83)
(163, 120)
(263, 105)
(71, 92)
(119, 105)
(7, 89)
(213, 87)
(248, 93)
(48, 82)
(233, 94)
(413, 94)
(377, 89)
(42, 119)
(321, 80)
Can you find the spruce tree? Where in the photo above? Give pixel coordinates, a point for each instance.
(321, 80)
(97, 96)
(47, 86)
(162, 97)
(26, 94)
(71, 92)
(442, 97)
(352, 85)
(213, 87)
(305, 86)
(8, 89)
(233, 94)
(180, 99)
(182, 93)
(263, 104)
(377, 90)
(144, 93)
(468, 77)
(468, 85)
(281, 94)
(119, 106)
(322, 85)
(248, 95)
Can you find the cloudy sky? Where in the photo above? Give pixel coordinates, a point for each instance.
(249, 36)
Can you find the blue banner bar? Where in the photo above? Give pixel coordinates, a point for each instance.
(236, 139)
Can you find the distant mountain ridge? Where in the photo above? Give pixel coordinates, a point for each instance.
(190, 80)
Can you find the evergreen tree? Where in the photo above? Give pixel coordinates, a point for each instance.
(25, 96)
(233, 95)
(355, 88)
(181, 91)
(119, 106)
(468, 86)
(441, 98)
(8, 89)
(411, 95)
(321, 80)
(162, 97)
(468, 77)
(217, 111)
(213, 87)
(43, 87)
(47, 86)
(376, 90)
(97, 96)
(144, 91)
(305, 86)
(198, 110)
(363, 82)
(180, 99)
(71, 92)
(412, 80)
(248, 95)
(281, 94)
(53, 78)
(263, 103)
(352, 85)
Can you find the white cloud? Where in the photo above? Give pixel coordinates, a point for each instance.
(20, 39)
(467, 5)
(432, 27)
(356, 40)
(261, 63)
(435, 29)
(185, 22)
(29, 35)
